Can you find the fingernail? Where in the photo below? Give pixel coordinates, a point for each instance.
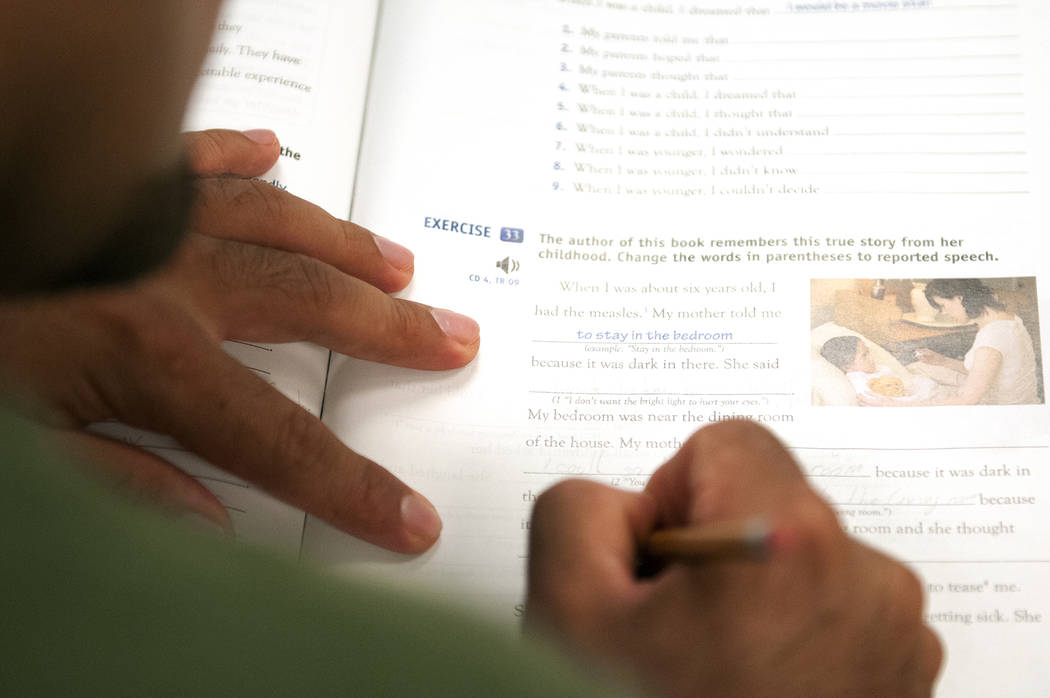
(459, 327)
(396, 255)
(420, 517)
(262, 136)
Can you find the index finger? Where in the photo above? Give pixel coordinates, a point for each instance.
(218, 409)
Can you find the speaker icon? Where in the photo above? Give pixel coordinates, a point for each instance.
(508, 265)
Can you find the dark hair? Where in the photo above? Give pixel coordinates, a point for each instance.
(976, 297)
(841, 351)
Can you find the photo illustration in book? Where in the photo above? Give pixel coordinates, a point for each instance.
(925, 342)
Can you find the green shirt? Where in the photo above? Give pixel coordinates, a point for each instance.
(103, 598)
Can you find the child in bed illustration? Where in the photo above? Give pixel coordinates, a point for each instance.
(875, 384)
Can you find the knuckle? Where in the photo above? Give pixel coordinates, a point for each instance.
(694, 444)
(819, 524)
(820, 520)
(234, 266)
(132, 327)
(314, 282)
(301, 280)
(153, 343)
(296, 437)
(214, 201)
(735, 441)
(369, 491)
(825, 545)
(558, 496)
(400, 331)
(737, 430)
(256, 203)
(347, 237)
(904, 598)
(352, 245)
(933, 653)
(259, 200)
(403, 319)
(166, 344)
(747, 458)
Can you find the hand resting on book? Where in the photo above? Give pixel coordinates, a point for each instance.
(260, 265)
(822, 615)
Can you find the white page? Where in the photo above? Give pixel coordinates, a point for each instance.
(300, 69)
(787, 125)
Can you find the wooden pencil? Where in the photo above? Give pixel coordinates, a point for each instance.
(748, 538)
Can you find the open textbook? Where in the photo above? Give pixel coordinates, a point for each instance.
(660, 213)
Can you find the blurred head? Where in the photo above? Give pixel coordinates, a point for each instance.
(92, 183)
(848, 353)
(962, 299)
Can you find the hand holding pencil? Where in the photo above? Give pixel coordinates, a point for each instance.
(813, 613)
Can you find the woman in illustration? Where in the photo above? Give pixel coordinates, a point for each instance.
(1000, 367)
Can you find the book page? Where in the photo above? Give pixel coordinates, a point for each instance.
(301, 70)
(660, 213)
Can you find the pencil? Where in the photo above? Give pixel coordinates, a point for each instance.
(747, 538)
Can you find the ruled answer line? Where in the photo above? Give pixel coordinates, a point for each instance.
(930, 193)
(687, 343)
(847, 59)
(933, 95)
(885, 11)
(924, 153)
(659, 394)
(645, 475)
(948, 76)
(524, 556)
(915, 172)
(931, 133)
(918, 448)
(929, 505)
(1003, 6)
(579, 474)
(883, 40)
(977, 562)
(860, 115)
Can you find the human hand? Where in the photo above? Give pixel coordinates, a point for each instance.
(259, 265)
(823, 616)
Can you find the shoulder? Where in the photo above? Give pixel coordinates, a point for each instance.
(1000, 333)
